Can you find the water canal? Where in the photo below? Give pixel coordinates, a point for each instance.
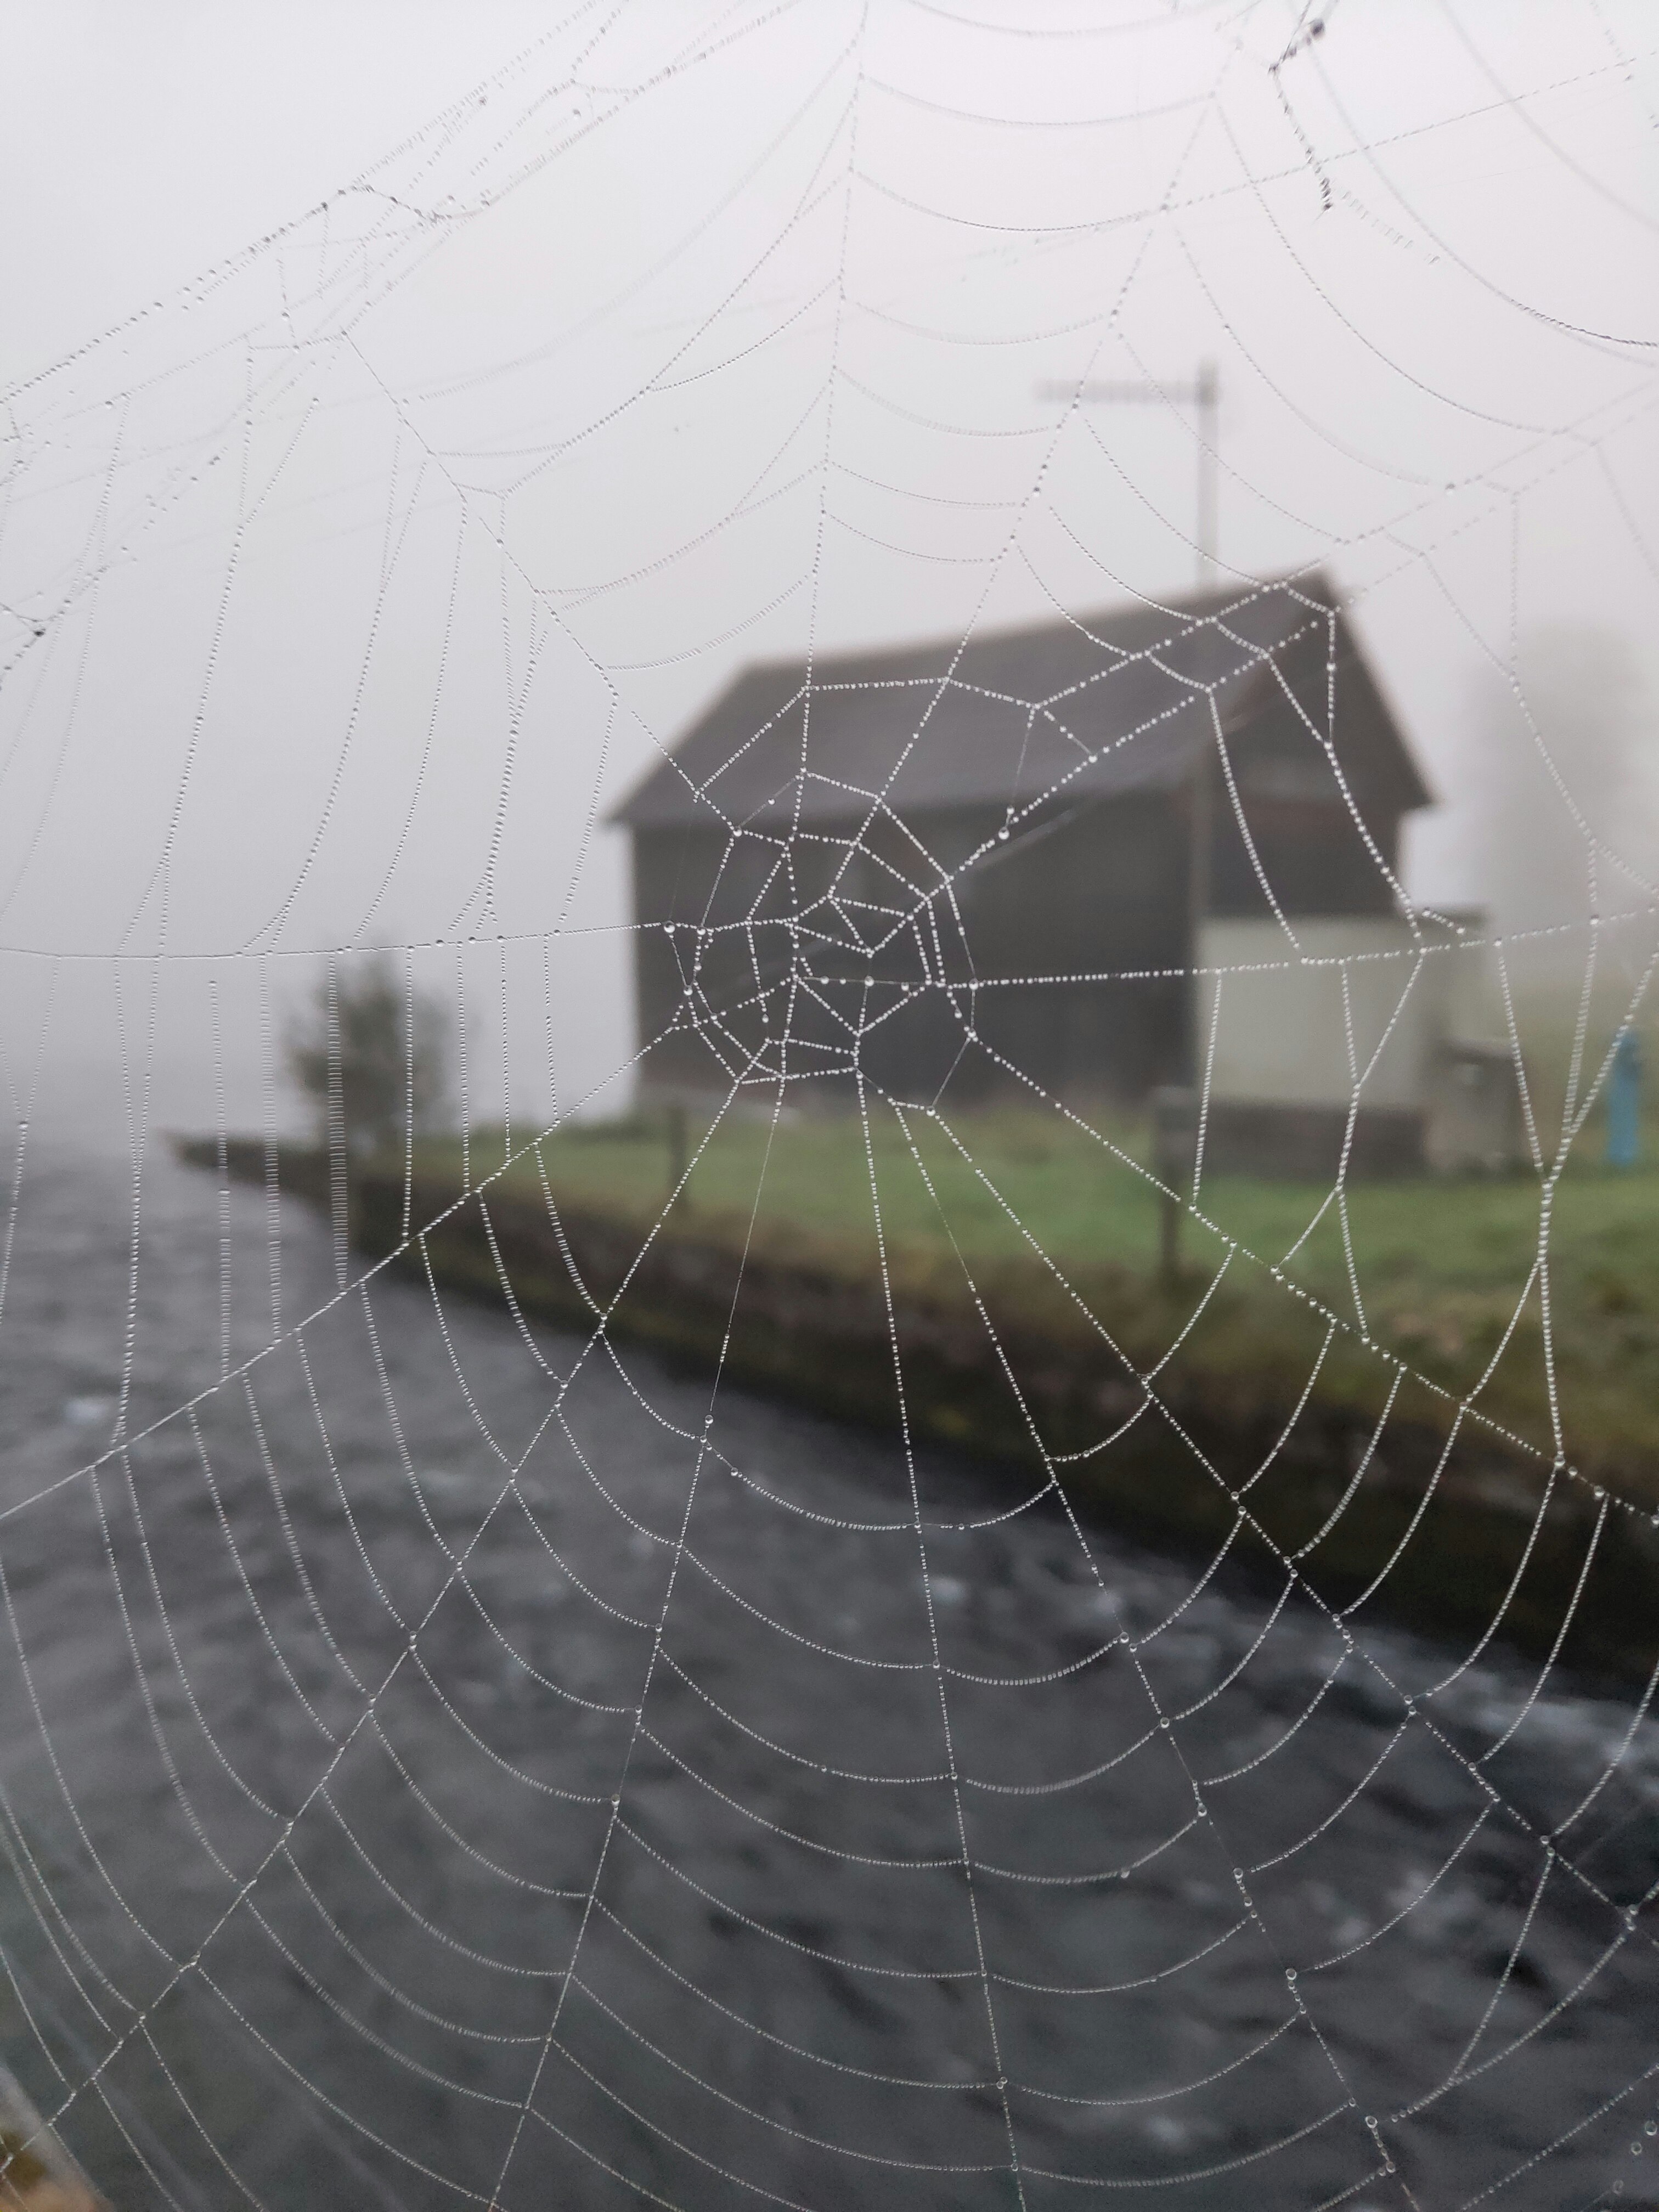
(447, 1755)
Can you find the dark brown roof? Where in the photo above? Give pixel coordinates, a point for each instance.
(1086, 707)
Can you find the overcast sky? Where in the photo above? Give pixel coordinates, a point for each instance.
(418, 412)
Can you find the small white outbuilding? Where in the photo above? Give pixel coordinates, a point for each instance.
(1379, 1042)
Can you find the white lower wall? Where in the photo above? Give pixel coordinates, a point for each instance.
(1283, 1032)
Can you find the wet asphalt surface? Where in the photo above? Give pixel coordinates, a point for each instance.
(452, 1764)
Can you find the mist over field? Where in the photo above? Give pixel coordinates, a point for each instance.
(584, 418)
(1570, 743)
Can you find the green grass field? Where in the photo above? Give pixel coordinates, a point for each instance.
(1435, 1270)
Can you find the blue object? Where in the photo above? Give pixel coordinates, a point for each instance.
(1624, 1102)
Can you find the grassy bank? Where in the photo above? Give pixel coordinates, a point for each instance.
(1012, 1265)
(1435, 1272)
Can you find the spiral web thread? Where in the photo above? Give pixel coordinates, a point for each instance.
(607, 2047)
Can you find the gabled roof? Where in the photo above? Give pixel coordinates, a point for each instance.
(1091, 707)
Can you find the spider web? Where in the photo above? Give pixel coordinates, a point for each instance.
(449, 1761)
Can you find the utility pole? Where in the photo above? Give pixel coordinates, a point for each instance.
(1203, 394)
(1174, 1107)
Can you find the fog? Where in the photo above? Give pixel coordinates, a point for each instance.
(1564, 747)
(414, 418)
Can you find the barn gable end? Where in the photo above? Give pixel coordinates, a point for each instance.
(989, 861)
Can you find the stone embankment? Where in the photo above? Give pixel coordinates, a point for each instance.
(1182, 1415)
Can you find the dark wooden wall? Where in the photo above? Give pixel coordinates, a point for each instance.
(1299, 815)
(1060, 953)
(1076, 927)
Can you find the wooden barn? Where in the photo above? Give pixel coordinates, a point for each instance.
(992, 864)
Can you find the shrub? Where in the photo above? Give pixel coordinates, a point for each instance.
(371, 1055)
